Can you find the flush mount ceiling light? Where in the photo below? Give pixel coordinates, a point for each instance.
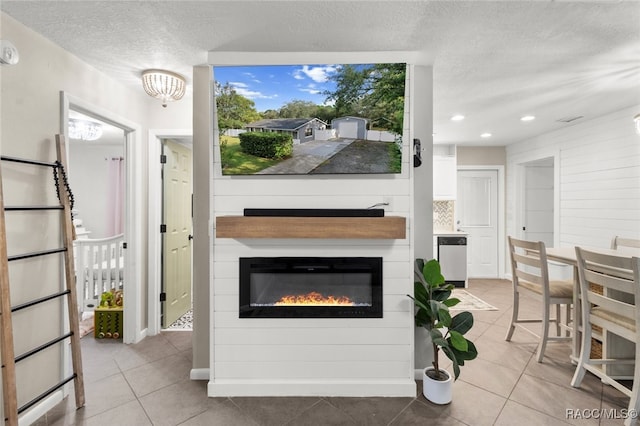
(457, 117)
(527, 118)
(164, 85)
(84, 130)
(485, 135)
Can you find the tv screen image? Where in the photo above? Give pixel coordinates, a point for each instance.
(310, 119)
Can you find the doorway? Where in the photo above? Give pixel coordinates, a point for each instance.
(132, 205)
(96, 170)
(177, 231)
(154, 234)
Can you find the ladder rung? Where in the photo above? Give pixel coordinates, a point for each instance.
(27, 208)
(43, 347)
(40, 300)
(35, 254)
(46, 393)
(25, 161)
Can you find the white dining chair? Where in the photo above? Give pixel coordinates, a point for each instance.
(610, 293)
(623, 244)
(530, 271)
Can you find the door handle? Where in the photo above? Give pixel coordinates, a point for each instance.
(190, 237)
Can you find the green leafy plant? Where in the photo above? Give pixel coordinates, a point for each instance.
(432, 298)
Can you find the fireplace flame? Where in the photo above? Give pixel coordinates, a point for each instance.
(313, 298)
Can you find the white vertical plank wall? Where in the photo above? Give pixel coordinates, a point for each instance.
(599, 178)
(323, 356)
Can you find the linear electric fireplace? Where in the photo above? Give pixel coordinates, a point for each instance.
(311, 287)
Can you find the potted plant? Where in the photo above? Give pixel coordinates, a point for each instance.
(432, 299)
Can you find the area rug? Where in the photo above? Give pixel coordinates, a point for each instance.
(185, 322)
(469, 302)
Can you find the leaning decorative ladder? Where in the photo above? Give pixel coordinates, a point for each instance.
(9, 360)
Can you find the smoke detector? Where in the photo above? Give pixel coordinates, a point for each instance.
(8, 53)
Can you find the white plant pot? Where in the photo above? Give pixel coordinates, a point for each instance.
(437, 391)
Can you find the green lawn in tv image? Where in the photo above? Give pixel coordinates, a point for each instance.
(310, 119)
(236, 162)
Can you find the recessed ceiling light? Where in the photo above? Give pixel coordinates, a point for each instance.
(485, 135)
(457, 117)
(527, 118)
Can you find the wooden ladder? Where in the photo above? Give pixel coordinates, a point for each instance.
(9, 360)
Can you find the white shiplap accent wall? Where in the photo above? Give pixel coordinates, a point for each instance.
(597, 167)
(331, 357)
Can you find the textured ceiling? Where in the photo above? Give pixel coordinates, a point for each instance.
(493, 61)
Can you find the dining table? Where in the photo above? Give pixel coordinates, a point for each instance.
(611, 345)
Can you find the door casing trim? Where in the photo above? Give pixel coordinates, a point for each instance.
(132, 332)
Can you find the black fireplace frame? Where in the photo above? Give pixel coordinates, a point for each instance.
(305, 265)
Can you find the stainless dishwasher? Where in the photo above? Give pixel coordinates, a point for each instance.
(452, 255)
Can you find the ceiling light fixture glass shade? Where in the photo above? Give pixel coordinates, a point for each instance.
(164, 85)
(84, 130)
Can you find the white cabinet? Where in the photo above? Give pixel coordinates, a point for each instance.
(444, 173)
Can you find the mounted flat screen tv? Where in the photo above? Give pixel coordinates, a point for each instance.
(310, 119)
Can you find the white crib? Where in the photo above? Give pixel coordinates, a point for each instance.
(99, 268)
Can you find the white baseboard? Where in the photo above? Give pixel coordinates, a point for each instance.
(199, 374)
(365, 388)
(39, 410)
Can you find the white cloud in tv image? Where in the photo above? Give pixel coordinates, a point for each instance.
(310, 119)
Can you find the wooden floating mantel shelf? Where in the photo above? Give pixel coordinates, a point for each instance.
(389, 227)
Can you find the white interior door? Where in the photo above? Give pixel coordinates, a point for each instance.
(176, 276)
(476, 214)
(538, 202)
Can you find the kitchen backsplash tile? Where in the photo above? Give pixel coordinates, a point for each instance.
(443, 219)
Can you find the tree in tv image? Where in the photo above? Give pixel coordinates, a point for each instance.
(310, 119)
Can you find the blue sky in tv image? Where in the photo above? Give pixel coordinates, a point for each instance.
(272, 86)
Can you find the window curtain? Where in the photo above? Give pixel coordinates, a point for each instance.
(115, 195)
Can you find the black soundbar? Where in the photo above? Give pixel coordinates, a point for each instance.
(315, 212)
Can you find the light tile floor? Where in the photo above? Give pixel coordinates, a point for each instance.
(148, 384)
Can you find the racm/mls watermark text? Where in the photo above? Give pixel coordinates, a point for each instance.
(600, 413)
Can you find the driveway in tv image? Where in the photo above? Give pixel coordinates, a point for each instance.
(335, 156)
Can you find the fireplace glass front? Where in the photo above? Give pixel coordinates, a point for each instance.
(311, 287)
